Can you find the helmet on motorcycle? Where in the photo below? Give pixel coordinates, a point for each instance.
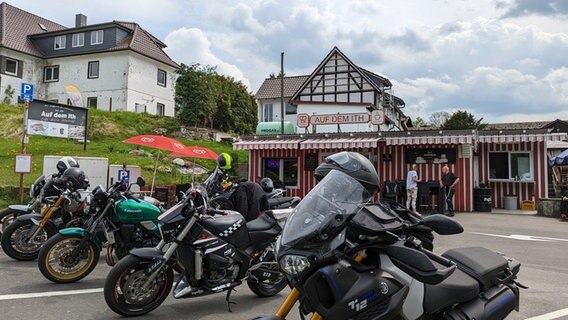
(76, 177)
(267, 185)
(224, 161)
(66, 163)
(355, 165)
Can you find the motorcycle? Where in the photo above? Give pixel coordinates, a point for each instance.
(118, 221)
(23, 238)
(344, 261)
(217, 249)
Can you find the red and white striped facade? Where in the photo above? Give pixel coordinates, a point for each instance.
(471, 150)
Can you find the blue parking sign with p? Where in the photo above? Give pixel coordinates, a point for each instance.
(124, 176)
(27, 91)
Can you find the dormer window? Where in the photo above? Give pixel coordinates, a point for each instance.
(59, 42)
(97, 37)
(78, 40)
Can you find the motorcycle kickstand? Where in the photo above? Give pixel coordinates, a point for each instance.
(229, 302)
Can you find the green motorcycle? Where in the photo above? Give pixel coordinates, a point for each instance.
(118, 222)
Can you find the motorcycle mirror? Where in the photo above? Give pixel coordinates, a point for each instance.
(141, 182)
(442, 224)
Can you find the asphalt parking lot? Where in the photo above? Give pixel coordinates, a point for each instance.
(539, 243)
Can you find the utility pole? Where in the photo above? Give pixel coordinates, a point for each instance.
(24, 143)
(282, 93)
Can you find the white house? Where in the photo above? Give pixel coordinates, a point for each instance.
(115, 65)
(336, 87)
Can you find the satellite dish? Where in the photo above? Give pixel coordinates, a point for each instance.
(42, 26)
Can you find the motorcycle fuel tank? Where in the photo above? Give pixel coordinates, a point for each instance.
(132, 211)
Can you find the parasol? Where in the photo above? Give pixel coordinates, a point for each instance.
(156, 142)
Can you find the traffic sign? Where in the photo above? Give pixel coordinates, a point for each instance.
(124, 176)
(27, 92)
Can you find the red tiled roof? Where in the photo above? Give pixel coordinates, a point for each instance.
(15, 26)
(270, 88)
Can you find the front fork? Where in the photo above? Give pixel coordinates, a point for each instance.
(45, 216)
(294, 295)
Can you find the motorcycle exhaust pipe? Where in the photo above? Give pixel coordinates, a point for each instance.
(493, 304)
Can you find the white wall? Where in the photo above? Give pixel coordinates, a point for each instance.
(32, 73)
(143, 85)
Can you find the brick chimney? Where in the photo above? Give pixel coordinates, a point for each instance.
(80, 20)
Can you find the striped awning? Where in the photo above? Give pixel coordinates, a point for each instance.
(415, 140)
(339, 143)
(267, 144)
(513, 138)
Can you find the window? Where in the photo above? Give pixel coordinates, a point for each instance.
(51, 73)
(93, 70)
(97, 37)
(12, 66)
(161, 78)
(92, 102)
(510, 166)
(160, 109)
(60, 42)
(267, 115)
(291, 109)
(78, 40)
(140, 108)
(281, 171)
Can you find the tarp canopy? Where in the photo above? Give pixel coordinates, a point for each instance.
(559, 160)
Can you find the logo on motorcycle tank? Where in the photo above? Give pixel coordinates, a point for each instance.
(383, 287)
(232, 228)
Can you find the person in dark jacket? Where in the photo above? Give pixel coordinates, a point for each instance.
(564, 207)
(249, 200)
(448, 182)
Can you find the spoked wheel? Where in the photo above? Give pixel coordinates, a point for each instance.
(125, 292)
(268, 288)
(20, 240)
(7, 216)
(56, 261)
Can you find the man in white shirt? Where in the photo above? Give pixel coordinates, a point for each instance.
(412, 188)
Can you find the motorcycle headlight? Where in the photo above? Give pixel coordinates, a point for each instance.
(293, 264)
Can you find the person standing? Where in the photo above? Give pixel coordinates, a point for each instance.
(412, 187)
(448, 182)
(564, 207)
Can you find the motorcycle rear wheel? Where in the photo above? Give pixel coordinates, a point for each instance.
(55, 263)
(16, 241)
(122, 287)
(267, 288)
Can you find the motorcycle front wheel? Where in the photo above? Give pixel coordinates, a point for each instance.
(7, 216)
(17, 241)
(56, 263)
(124, 292)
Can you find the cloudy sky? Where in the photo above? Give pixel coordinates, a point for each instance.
(503, 60)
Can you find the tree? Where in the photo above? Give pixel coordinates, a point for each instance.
(418, 122)
(274, 76)
(208, 99)
(437, 119)
(462, 120)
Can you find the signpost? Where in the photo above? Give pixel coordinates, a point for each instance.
(23, 161)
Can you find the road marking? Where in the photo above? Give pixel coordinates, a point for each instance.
(521, 237)
(551, 315)
(48, 294)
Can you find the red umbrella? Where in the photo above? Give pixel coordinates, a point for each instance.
(156, 142)
(195, 152)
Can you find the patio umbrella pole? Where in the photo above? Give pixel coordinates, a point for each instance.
(154, 176)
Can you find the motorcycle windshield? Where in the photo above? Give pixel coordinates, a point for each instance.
(324, 212)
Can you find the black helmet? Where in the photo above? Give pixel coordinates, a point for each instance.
(76, 177)
(225, 161)
(267, 185)
(355, 165)
(66, 163)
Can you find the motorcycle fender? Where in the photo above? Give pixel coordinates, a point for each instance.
(147, 253)
(20, 208)
(29, 216)
(74, 231)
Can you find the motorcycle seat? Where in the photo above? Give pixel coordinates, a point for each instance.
(261, 223)
(458, 287)
(276, 202)
(482, 264)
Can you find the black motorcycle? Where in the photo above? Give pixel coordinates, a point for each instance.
(345, 258)
(217, 249)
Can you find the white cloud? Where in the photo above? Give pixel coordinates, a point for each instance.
(192, 46)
